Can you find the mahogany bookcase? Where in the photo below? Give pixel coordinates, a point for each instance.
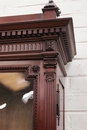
(39, 45)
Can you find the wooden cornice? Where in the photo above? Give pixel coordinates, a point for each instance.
(20, 18)
(32, 24)
(29, 36)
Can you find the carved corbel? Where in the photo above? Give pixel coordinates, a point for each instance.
(50, 63)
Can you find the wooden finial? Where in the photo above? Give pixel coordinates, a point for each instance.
(52, 6)
(50, 1)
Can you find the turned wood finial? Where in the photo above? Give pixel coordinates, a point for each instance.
(50, 1)
(52, 6)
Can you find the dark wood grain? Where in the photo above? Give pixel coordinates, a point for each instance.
(38, 45)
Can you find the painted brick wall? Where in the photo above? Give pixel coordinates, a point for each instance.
(76, 81)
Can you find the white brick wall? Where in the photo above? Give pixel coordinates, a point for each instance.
(76, 81)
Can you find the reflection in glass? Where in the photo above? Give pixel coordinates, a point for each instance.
(16, 102)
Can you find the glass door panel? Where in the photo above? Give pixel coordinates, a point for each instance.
(16, 102)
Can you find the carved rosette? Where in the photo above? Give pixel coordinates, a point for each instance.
(32, 71)
(50, 45)
(35, 69)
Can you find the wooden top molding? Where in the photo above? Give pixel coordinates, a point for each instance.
(37, 36)
(60, 30)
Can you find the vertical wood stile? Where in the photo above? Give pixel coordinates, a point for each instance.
(50, 101)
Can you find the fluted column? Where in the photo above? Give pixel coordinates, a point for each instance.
(50, 94)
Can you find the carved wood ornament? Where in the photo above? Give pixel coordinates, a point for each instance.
(37, 44)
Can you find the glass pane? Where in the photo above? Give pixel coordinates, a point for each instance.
(16, 102)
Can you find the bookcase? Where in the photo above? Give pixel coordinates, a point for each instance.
(33, 51)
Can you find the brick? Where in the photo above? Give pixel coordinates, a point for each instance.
(20, 11)
(77, 68)
(75, 84)
(80, 34)
(72, 7)
(75, 93)
(76, 121)
(75, 101)
(81, 49)
(9, 3)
